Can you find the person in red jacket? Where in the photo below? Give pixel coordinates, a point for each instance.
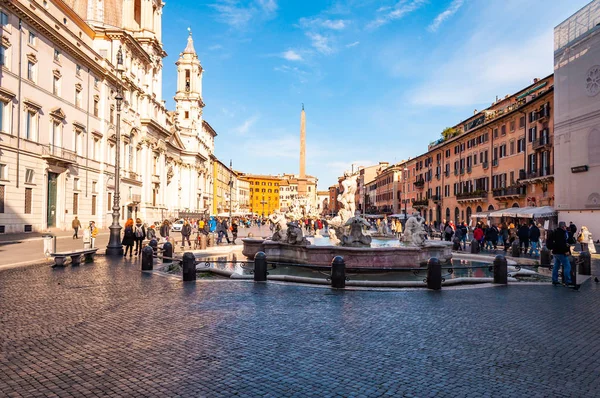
(478, 234)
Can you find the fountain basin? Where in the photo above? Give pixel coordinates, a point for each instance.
(355, 257)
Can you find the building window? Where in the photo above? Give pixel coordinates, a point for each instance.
(2, 109)
(3, 19)
(75, 203)
(521, 145)
(496, 133)
(31, 39)
(93, 205)
(28, 195)
(2, 52)
(96, 107)
(30, 125)
(512, 147)
(109, 201)
(56, 55)
(78, 70)
(94, 186)
(29, 176)
(512, 126)
(96, 82)
(78, 141)
(187, 115)
(30, 71)
(75, 184)
(78, 98)
(2, 198)
(503, 129)
(3, 173)
(56, 86)
(95, 148)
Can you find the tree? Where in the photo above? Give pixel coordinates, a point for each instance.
(449, 132)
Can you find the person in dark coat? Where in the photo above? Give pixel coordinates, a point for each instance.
(234, 231)
(558, 242)
(491, 237)
(165, 229)
(139, 235)
(534, 238)
(523, 234)
(128, 237)
(186, 231)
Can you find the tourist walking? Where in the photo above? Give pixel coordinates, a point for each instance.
(505, 236)
(234, 231)
(93, 233)
(584, 238)
(558, 242)
(140, 234)
(165, 230)
(186, 231)
(128, 238)
(448, 232)
(572, 231)
(524, 237)
(151, 232)
(478, 234)
(534, 238)
(75, 224)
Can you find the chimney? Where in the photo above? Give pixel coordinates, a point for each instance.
(475, 112)
(535, 80)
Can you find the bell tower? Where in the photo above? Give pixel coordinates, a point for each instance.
(188, 98)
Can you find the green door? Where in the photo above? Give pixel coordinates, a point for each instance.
(51, 210)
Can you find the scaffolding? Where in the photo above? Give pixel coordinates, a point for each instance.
(575, 27)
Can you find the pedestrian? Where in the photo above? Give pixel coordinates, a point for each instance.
(523, 235)
(234, 231)
(534, 238)
(75, 224)
(478, 234)
(448, 232)
(225, 229)
(558, 242)
(584, 238)
(572, 231)
(128, 237)
(140, 234)
(151, 232)
(165, 230)
(186, 231)
(505, 236)
(93, 233)
(465, 234)
(458, 238)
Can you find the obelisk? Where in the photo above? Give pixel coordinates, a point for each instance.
(302, 176)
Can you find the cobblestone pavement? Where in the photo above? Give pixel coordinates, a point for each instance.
(108, 330)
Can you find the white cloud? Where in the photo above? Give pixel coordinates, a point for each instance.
(215, 47)
(389, 14)
(245, 127)
(291, 55)
(475, 76)
(338, 24)
(238, 15)
(356, 43)
(450, 11)
(320, 43)
(320, 23)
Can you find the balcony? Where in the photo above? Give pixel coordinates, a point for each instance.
(436, 198)
(544, 142)
(58, 154)
(495, 163)
(542, 174)
(510, 192)
(469, 169)
(475, 196)
(419, 183)
(462, 171)
(485, 165)
(420, 203)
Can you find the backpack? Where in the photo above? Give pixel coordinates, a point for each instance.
(139, 232)
(550, 240)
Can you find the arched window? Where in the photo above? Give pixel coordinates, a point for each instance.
(447, 214)
(468, 220)
(479, 209)
(490, 208)
(456, 215)
(515, 204)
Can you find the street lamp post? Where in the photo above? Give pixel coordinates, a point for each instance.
(115, 248)
(230, 189)
(263, 202)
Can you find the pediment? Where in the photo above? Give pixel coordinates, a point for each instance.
(58, 113)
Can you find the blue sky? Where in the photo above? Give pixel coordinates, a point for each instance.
(379, 79)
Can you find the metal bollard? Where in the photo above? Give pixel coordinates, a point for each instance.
(147, 259)
(475, 246)
(434, 274)
(545, 257)
(167, 252)
(260, 267)
(500, 270)
(585, 263)
(154, 245)
(211, 240)
(203, 242)
(189, 267)
(515, 249)
(573, 271)
(338, 273)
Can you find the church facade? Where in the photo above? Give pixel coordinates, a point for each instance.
(58, 117)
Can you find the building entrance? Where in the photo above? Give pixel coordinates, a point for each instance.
(51, 205)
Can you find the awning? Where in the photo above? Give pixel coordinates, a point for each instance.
(483, 214)
(519, 212)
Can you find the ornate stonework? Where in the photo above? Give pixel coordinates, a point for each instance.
(592, 81)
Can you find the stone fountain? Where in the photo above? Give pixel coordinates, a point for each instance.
(347, 238)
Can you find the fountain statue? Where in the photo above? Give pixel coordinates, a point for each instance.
(333, 239)
(356, 237)
(294, 235)
(280, 226)
(414, 233)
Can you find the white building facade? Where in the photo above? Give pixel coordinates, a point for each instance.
(58, 117)
(577, 118)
